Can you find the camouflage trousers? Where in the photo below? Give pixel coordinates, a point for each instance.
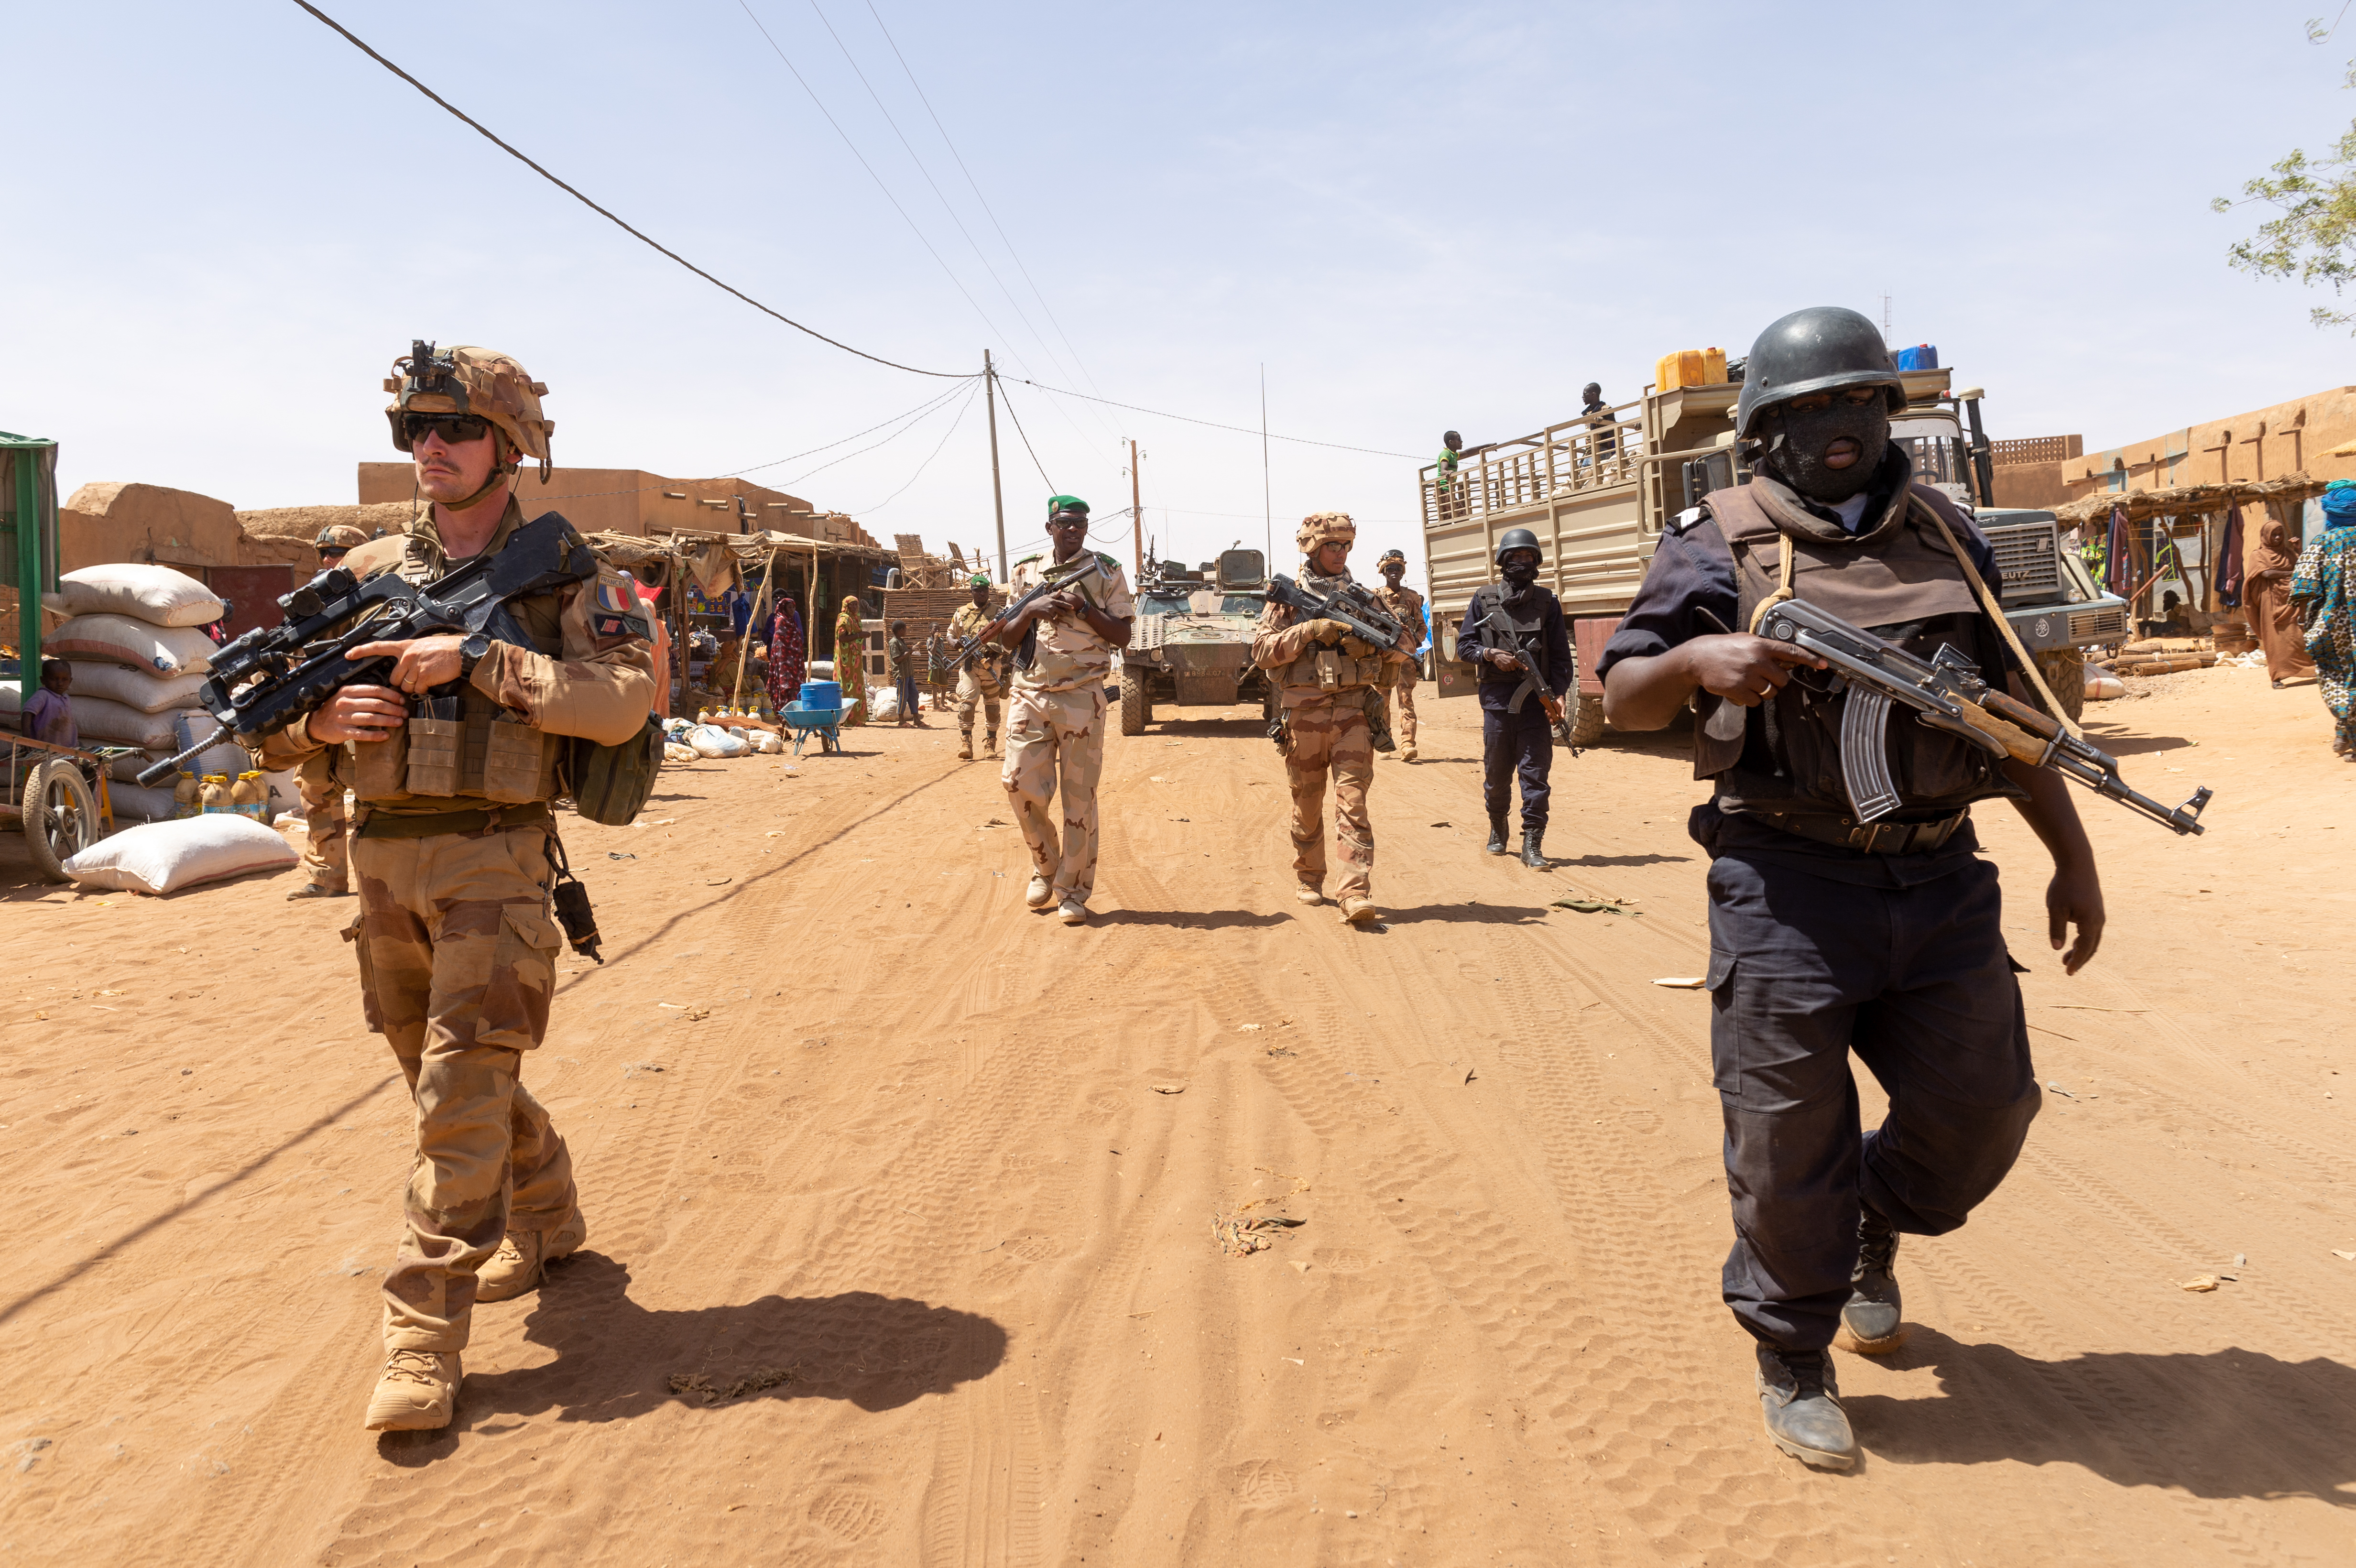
(457, 956)
(322, 819)
(1403, 727)
(971, 694)
(1330, 735)
(1056, 738)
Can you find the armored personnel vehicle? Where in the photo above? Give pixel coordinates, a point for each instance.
(1191, 645)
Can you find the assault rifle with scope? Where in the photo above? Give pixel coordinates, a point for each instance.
(269, 676)
(1349, 604)
(1946, 692)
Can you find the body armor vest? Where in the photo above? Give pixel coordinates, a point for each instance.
(1492, 596)
(1329, 669)
(484, 752)
(1896, 578)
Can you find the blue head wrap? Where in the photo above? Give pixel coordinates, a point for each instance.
(2339, 504)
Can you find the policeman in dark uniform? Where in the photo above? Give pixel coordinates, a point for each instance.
(1515, 734)
(1826, 935)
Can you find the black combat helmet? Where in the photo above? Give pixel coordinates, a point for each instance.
(1516, 539)
(1820, 349)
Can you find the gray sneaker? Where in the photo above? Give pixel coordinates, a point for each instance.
(1801, 1403)
(1872, 1323)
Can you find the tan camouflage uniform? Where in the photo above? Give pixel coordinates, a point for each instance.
(455, 937)
(981, 683)
(322, 822)
(1330, 735)
(1054, 737)
(1407, 605)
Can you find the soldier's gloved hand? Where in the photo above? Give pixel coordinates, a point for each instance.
(1358, 647)
(1327, 631)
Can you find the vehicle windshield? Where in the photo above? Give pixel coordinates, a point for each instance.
(1164, 605)
(1241, 604)
(1937, 448)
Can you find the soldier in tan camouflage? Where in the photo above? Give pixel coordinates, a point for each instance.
(451, 847)
(324, 874)
(1055, 723)
(1326, 679)
(1407, 605)
(982, 679)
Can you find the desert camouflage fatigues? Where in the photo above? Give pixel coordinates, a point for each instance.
(981, 682)
(1054, 736)
(1407, 605)
(1330, 734)
(456, 944)
(322, 822)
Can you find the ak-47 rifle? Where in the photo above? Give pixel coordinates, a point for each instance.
(1520, 647)
(1349, 604)
(1946, 693)
(1090, 562)
(273, 676)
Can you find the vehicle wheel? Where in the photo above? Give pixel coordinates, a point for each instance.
(1136, 701)
(60, 817)
(2064, 670)
(1585, 718)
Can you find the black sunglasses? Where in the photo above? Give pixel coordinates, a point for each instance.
(454, 429)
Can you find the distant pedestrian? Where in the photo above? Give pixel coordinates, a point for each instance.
(786, 655)
(850, 658)
(904, 672)
(2272, 555)
(2323, 596)
(49, 715)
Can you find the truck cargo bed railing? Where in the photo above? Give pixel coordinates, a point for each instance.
(1594, 451)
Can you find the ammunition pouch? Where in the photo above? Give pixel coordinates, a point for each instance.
(611, 783)
(1331, 670)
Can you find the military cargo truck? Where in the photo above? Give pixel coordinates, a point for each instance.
(1192, 644)
(1596, 489)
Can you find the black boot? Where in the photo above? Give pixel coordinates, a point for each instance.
(1497, 834)
(1872, 1323)
(1801, 1406)
(1533, 855)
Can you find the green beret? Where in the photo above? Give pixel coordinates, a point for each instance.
(978, 579)
(1067, 504)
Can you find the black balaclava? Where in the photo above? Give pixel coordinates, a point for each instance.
(1520, 571)
(1796, 442)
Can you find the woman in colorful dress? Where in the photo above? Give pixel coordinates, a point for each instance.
(2323, 595)
(786, 653)
(849, 665)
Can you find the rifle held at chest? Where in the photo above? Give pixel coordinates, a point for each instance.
(1090, 563)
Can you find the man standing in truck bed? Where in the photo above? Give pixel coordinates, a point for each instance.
(1827, 936)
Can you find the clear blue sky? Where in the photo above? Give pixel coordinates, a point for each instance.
(228, 221)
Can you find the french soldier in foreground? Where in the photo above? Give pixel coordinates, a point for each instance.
(1331, 683)
(453, 762)
(1828, 933)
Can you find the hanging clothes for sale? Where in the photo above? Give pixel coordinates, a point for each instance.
(2229, 561)
(2119, 564)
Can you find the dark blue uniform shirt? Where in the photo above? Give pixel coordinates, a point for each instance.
(1497, 687)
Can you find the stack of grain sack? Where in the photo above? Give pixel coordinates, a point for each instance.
(138, 658)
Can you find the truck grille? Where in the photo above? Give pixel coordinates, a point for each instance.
(2098, 626)
(2028, 555)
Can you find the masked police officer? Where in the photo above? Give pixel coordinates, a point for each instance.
(1515, 736)
(1828, 936)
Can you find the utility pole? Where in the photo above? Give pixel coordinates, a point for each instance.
(997, 495)
(1268, 508)
(1136, 518)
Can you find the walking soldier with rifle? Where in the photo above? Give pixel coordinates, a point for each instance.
(1332, 651)
(980, 675)
(455, 754)
(324, 872)
(1407, 605)
(1515, 634)
(1844, 915)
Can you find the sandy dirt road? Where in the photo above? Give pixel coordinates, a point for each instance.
(903, 1253)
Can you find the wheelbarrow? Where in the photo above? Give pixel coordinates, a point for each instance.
(61, 795)
(821, 722)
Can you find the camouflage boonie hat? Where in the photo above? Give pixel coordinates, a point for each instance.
(343, 536)
(466, 379)
(1325, 527)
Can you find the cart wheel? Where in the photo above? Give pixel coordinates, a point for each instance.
(60, 817)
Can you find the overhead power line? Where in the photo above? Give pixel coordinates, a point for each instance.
(1214, 424)
(358, 43)
(1025, 435)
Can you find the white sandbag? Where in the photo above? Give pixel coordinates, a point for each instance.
(132, 803)
(155, 594)
(2104, 688)
(710, 740)
(102, 722)
(884, 704)
(164, 856)
(675, 752)
(285, 794)
(136, 688)
(766, 742)
(119, 639)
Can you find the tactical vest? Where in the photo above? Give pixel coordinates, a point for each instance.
(1492, 596)
(488, 751)
(1896, 578)
(1324, 670)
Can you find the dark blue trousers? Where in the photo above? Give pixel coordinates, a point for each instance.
(1917, 982)
(1517, 743)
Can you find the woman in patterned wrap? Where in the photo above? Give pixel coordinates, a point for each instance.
(850, 665)
(2323, 595)
(786, 653)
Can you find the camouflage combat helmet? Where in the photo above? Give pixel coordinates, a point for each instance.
(1389, 555)
(342, 536)
(1322, 528)
(465, 380)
